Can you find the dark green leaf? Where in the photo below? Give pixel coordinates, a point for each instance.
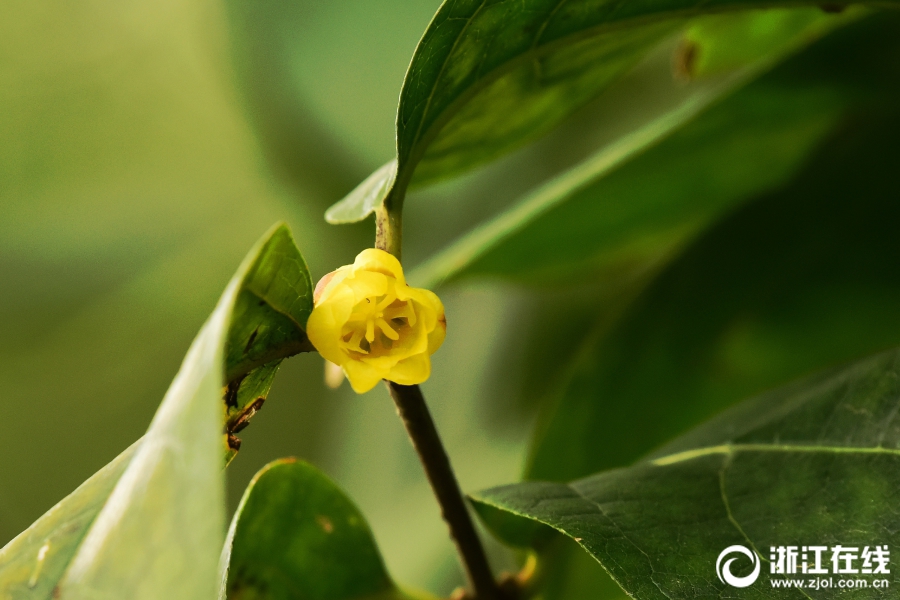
(150, 524)
(271, 310)
(811, 463)
(802, 278)
(268, 324)
(297, 535)
(631, 206)
(489, 75)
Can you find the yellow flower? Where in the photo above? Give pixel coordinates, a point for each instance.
(368, 321)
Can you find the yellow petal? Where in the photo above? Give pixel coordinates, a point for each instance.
(436, 336)
(379, 261)
(325, 324)
(362, 376)
(334, 375)
(329, 283)
(411, 371)
(362, 300)
(367, 284)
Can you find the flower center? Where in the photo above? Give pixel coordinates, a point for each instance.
(376, 323)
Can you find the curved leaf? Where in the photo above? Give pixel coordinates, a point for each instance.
(491, 74)
(709, 148)
(802, 278)
(365, 198)
(812, 463)
(150, 524)
(297, 535)
(33, 563)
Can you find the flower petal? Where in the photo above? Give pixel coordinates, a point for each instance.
(370, 299)
(361, 375)
(329, 283)
(379, 261)
(412, 370)
(325, 324)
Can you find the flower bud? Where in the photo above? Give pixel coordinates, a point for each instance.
(368, 321)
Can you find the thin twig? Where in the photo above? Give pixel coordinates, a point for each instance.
(415, 416)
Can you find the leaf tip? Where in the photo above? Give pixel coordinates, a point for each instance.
(365, 198)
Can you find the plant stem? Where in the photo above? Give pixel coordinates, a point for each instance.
(415, 416)
(389, 223)
(424, 436)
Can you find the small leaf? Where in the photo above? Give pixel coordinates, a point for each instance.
(268, 324)
(297, 535)
(812, 463)
(150, 524)
(365, 198)
(271, 310)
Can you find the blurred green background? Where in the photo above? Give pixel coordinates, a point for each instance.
(145, 146)
(134, 175)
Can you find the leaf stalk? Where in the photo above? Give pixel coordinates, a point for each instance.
(389, 223)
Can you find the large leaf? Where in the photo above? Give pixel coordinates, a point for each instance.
(765, 296)
(33, 563)
(804, 278)
(631, 206)
(150, 524)
(814, 463)
(490, 75)
(297, 535)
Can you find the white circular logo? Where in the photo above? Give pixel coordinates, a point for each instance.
(724, 571)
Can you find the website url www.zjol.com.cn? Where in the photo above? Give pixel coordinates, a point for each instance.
(846, 567)
(824, 583)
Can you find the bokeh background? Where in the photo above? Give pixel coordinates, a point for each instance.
(143, 148)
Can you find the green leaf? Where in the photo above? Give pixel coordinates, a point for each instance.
(297, 535)
(813, 462)
(268, 324)
(150, 524)
(33, 562)
(634, 203)
(365, 198)
(767, 295)
(270, 313)
(489, 76)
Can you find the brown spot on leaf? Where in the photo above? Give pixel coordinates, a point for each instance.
(251, 340)
(325, 523)
(243, 418)
(684, 61)
(234, 442)
(231, 391)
